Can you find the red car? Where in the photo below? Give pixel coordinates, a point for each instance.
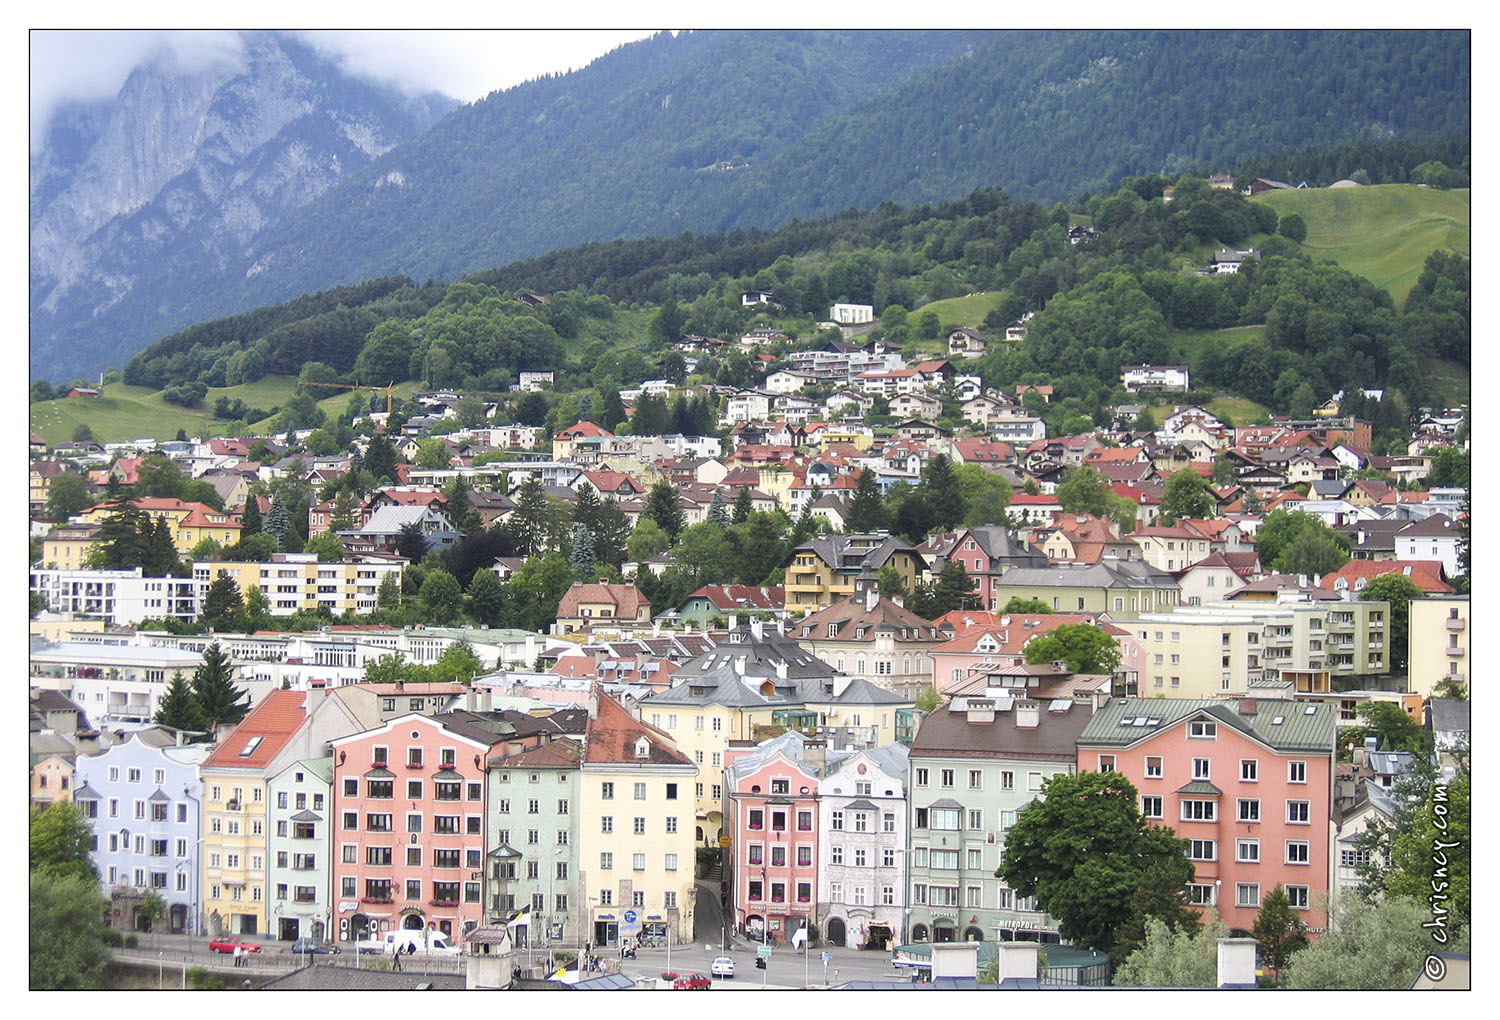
(228, 942)
(692, 983)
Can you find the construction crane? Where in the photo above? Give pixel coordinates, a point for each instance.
(386, 389)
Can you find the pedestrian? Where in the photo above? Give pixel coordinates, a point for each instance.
(397, 964)
(239, 955)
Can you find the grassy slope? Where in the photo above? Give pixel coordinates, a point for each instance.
(133, 412)
(1383, 232)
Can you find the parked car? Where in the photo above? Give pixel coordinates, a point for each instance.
(313, 947)
(723, 967)
(692, 983)
(226, 944)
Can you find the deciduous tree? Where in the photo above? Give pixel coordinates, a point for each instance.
(1084, 647)
(1082, 851)
(1279, 931)
(67, 947)
(1370, 944)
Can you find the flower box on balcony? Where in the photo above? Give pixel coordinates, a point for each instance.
(445, 903)
(413, 764)
(446, 768)
(373, 899)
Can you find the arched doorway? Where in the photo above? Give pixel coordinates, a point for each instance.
(919, 933)
(836, 931)
(318, 930)
(177, 920)
(973, 935)
(359, 928)
(943, 930)
(412, 922)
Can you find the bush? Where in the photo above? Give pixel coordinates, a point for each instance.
(112, 937)
(131, 941)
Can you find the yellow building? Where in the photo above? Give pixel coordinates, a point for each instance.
(294, 582)
(64, 547)
(861, 438)
(235, 800)
(1439, 638)
(51, 780)
(823, 570)
(1225, 648)
(636, 845)
(190, 522)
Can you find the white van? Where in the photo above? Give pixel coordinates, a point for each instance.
(408, 941)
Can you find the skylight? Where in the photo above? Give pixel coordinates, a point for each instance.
(250, 746)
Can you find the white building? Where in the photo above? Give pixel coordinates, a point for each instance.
(1162, 378)
(852, 315)
(862, 856)
(117, 683)
(121, 598)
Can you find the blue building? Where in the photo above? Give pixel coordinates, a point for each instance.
(144, 800)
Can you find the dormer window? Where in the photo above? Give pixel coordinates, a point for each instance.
(643, 748)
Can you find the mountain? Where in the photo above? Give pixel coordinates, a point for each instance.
(139, 202)
(714, 131)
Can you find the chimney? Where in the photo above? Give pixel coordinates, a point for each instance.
(756, 631)
(872, 596)
(739, 665)
(980, 710)
(734, 621)
(781, 669)
(815, 754)
(1236, 963)
(1028, 714)
(1019, 959)
(1246, 706)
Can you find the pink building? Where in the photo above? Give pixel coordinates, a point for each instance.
(1002, 645)
(1248, 783)
(409, 800)
(772, 790)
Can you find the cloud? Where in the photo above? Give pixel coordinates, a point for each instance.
(86, 65)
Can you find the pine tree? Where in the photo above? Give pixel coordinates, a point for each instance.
(528, 522)
(665, 508)
(940, 486)
(389, 595)
(586, 507)
(277, 522)
(582, 556)
(718, 513)
(222, 601)
(250, 523)
(381, 459)
(161, 559)
(742, 505)
(178, 707)
(213, 688)
(866, 510)
(342, 516)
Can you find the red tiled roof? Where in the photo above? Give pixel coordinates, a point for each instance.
(1012, 637)
(626, 598)
(613, 732)
(1425, 574)
(274, 720)
(583, 428)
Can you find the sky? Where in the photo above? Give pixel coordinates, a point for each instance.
(466, 64)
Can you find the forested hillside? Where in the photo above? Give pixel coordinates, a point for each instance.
(719, 131)
(1133, 293)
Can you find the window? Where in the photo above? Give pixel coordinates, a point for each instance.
(671, 862)
(756, 891)
(758, 819)
(639, 826)
(378, 856)
(921, 777)
(1247, 851)
(1297, 851)
(1151, 807)
(1247, 894)
(862, 823)
(1249, 810)
(606, 861)
(835, 855)
(1106, 763)
(976, 818)
(860, 857)
(1007, 819)
(1033, 781)
(1296, 771)
(606, 824)
(778, 856)
(351, 820)
(804, 856)
(804, 821)
(640, 791)
(1200, 895)
(606, 898)
(1202, 729)
(377, 823)
(672, 824)
(947, 778)
(379, 789)
(1297, 897)
(1249, 770)
(1201, 768)
(448, 825)
(638, 862)
(1007, 780)
(1297, 812)
(1203, 850)
(946, 818)
(1199, 811)
(1353, 858)
(888, 822)
(668, 899)
(414, 821)
(607, 791)
(976, 859)
(835, 821)
(413, 857)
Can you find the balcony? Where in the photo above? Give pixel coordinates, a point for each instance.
(1456, 653)
(1455, 625)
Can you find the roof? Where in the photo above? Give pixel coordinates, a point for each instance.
(554, 754)
(339, 976)
(1284, 726)
(613, 734)
(1448, 714)
(274, 720)
(947, 731)
(1425, 574)
(626, 598)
